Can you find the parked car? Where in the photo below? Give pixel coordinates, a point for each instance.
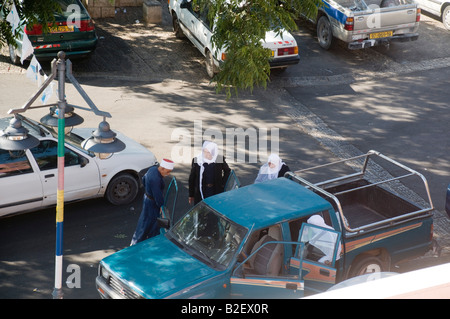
(440, 8)
(73, 32)
(28, 179)
(194, 25)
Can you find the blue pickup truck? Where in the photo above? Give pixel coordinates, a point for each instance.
(260, 241)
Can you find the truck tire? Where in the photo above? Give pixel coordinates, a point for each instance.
(122, 189)
(324, 33)
(446, 17)
(366, 265)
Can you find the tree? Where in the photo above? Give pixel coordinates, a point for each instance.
(240, 25)
(32, 11)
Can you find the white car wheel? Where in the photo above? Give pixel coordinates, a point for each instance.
(122, 189)
(446, 17)
(211, 68)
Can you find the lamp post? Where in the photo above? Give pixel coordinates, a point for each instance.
(103, 141)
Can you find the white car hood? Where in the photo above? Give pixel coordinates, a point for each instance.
(132, 147)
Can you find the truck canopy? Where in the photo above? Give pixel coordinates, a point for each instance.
(272, 201)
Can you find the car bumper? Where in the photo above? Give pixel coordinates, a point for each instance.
(355, 45)
(70, 48)
(284, 62)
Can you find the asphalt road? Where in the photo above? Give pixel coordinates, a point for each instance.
(332, 104)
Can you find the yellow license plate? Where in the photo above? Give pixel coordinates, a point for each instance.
(379, 35)
(61, 29)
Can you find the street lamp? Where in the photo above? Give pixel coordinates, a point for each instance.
(103, 141)
(16, 138)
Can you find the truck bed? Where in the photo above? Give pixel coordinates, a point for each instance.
(369, 205)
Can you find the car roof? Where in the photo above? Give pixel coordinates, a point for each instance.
(265, 204)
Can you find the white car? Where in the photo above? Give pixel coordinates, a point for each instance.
(194, 25)
(440, 8)
(28, 179)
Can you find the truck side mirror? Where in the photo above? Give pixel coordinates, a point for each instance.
(163, 222)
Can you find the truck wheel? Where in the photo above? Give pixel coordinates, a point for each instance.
(122, 189)
(176, 27)
(15, 59)
(446, 17)
(366, 265)
(324, 33)
(211, 68)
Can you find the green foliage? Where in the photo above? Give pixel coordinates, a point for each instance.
(240, 26)
(32, 11)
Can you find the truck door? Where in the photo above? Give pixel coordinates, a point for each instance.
(170, 201)
(315, 257)
(249, 281)
(232, 182)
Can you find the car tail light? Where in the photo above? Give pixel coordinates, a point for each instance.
(418, 15)
(87, 25)
(33, 29)
(288, 51)
(349, 24)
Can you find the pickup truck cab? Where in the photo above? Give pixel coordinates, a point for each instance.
(366, 23)
(258, 241)
(190, 22)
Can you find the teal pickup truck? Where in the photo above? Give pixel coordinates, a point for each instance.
(259, 241)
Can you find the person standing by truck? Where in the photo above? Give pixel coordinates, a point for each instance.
(209, 173)
(154, 185)
(274, 168)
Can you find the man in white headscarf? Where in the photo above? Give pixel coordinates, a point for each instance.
(209, 173)
(274, 168)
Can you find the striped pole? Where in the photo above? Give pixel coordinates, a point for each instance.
(61, 66)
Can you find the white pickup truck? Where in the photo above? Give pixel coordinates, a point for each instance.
(366, 23)
(189, 22)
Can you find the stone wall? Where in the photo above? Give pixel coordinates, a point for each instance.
(106, 8)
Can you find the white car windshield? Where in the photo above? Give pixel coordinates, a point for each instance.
(209, 235)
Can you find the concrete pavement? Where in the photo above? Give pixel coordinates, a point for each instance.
(153, 94)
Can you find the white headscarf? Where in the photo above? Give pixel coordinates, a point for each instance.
(266, 172)
(321, 239)
(201, 159)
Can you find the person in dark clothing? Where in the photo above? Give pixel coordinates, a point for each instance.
(154, 185)
(209, 173)
(274, 168)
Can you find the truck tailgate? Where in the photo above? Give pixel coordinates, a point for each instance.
(382, 19)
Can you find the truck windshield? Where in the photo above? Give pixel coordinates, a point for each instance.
(209, 235)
